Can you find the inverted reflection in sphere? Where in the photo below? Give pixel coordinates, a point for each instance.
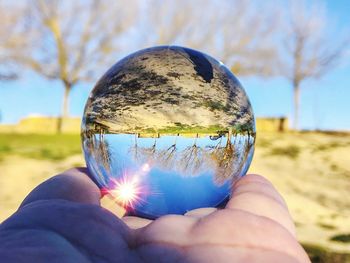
(167, 130)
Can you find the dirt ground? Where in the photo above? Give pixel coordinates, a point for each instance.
(314, 178)
(311, 170)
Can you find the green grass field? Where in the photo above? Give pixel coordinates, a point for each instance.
(50, 147)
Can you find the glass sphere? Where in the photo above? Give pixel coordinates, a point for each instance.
(166, 130)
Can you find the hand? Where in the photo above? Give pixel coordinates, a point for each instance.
(61, 221)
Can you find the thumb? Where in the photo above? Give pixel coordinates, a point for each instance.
(72, 185)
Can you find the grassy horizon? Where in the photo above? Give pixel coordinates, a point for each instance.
(40, 146)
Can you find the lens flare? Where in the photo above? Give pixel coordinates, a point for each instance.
(128, 190)
(126, 193)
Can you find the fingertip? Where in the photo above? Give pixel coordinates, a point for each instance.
(257, 183)
(249, 178)
(78, 169)
(74, 185)
(255, 194)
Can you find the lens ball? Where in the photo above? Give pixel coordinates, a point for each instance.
(166, 130)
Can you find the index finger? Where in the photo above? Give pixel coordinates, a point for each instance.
(256, 195)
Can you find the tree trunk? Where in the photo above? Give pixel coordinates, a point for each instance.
(65, 107)
(296, 93)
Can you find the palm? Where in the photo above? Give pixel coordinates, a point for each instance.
(79, 230)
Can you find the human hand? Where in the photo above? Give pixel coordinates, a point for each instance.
(62, 221)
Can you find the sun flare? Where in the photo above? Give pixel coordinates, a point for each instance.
(126, 192)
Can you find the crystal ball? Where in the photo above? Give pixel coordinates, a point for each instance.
(166, 130)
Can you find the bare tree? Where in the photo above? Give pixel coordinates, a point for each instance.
(176, 22)
(238, 32)
(246, 32)
(168, 156)
(310, 49)
(8, 38)
(70, 40)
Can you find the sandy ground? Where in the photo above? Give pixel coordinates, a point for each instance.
(313, 177)
(315, 184)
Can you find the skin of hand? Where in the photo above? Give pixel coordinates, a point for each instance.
(62, 221)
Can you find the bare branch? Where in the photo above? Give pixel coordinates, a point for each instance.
(310, 51)
(237, 32)
(309, 45)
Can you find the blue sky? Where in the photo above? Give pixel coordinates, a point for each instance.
(325, 103)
